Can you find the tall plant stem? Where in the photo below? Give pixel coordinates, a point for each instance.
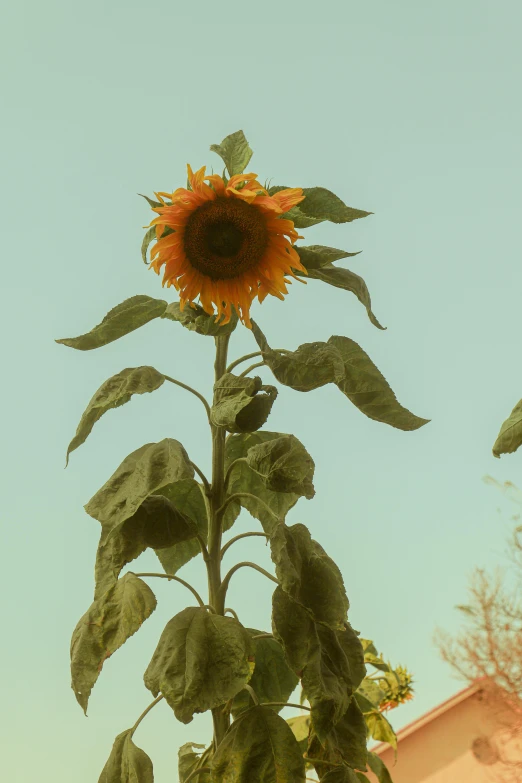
(215, 531)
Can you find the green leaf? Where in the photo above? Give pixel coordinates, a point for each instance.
(349, 281)
(187, 496)
(201, 661)
(241, 404)
(316, 256)
(104, 628)
(345, 742)
(234, 152)
(380, 728)
(284, 465)
(343, 775)
(127, 763)
(151, 201)
(164, 525)
(149, 237)
(112, 393)
(194, 318)
(272, 680)
(142, 473)
(260, 747)
(308, 575)
(343, 362)
(244, 479)
(329, 663)
(378, 767)
(372, 693)
(188, 761)
(372, 657)
(318, 205)
(510, 436)
(117, 547)
(300, 726)
(121, 320)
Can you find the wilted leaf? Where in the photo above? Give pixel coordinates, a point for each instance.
(316, 256)
(510, 435)
(318, 205)
(142, 473)
(260, 747)
(372, 657)
(187, 496)
(188, 761)
(330, 663)
(149, 237)
(372, 694)
(195, 319)
(284, 465)
(241, 404)
(127, 763)
(380, 728)
(106, 626)
(272, 680)
(348, 281)
(201, 661)
(345, 743)
(112, 393)
(244, 479)
(234, 152)
(308, 575)
(378, 767)
(121, 320)
(300, 726)
(343, 362)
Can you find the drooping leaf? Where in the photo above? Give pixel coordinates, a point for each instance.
(372, 694)
(284, 465)
(241, 404)
(121, 320)
(244, 479)
(195, 319)
(127, 763)
(164, 525)
(318, 205)
(117, 547)
(300, 726)
(272, 680)
(149, 237)
(380, 728)
(345, 743)
(201, 661)
(189, 760)
(347, 280)
(142, 473)
(510, 436)
(112, 393)
(343, 362)
(372, 657)
(260, 747)
(187, 496)
(329, 663)
(378, 767)
(106, 626)
(343, 775)
(316, 256)
(309, 575)
(234, 152)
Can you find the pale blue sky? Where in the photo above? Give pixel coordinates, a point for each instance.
(406, 109)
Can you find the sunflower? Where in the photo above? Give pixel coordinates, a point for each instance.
(226, 242)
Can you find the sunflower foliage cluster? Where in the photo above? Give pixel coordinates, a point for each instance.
(223, 241)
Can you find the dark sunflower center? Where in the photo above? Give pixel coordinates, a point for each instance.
(225, 238)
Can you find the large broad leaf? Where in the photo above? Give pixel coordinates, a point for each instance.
(244, 479)
(329, 663)
(258, 748)
(378, 767)
(187, 496)
(142, 473)
(234, 152)
(127, 763)
(510, 435)
(380, 728)
(195, 319)
(241, 404)
(284, 465)
(272, 680)
(106, 626)
(309, 575)
(371, 693)
(345, 743)
(189, 760)
(343, 362)
(202, 660)
(318, 205)
(121, 320)
(343, 775)
(112, 393)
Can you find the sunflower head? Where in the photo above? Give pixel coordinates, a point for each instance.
(225, 242)
(398, 688)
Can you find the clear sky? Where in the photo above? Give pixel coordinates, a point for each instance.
(405, 109)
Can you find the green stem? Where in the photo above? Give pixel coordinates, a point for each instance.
(252, 356)
(230, 468)
(239, 495)
(249, 369)
(224, 584)
(151, 705)
(190, 389)
(237, 538)
(181, 581)
(215, 527)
